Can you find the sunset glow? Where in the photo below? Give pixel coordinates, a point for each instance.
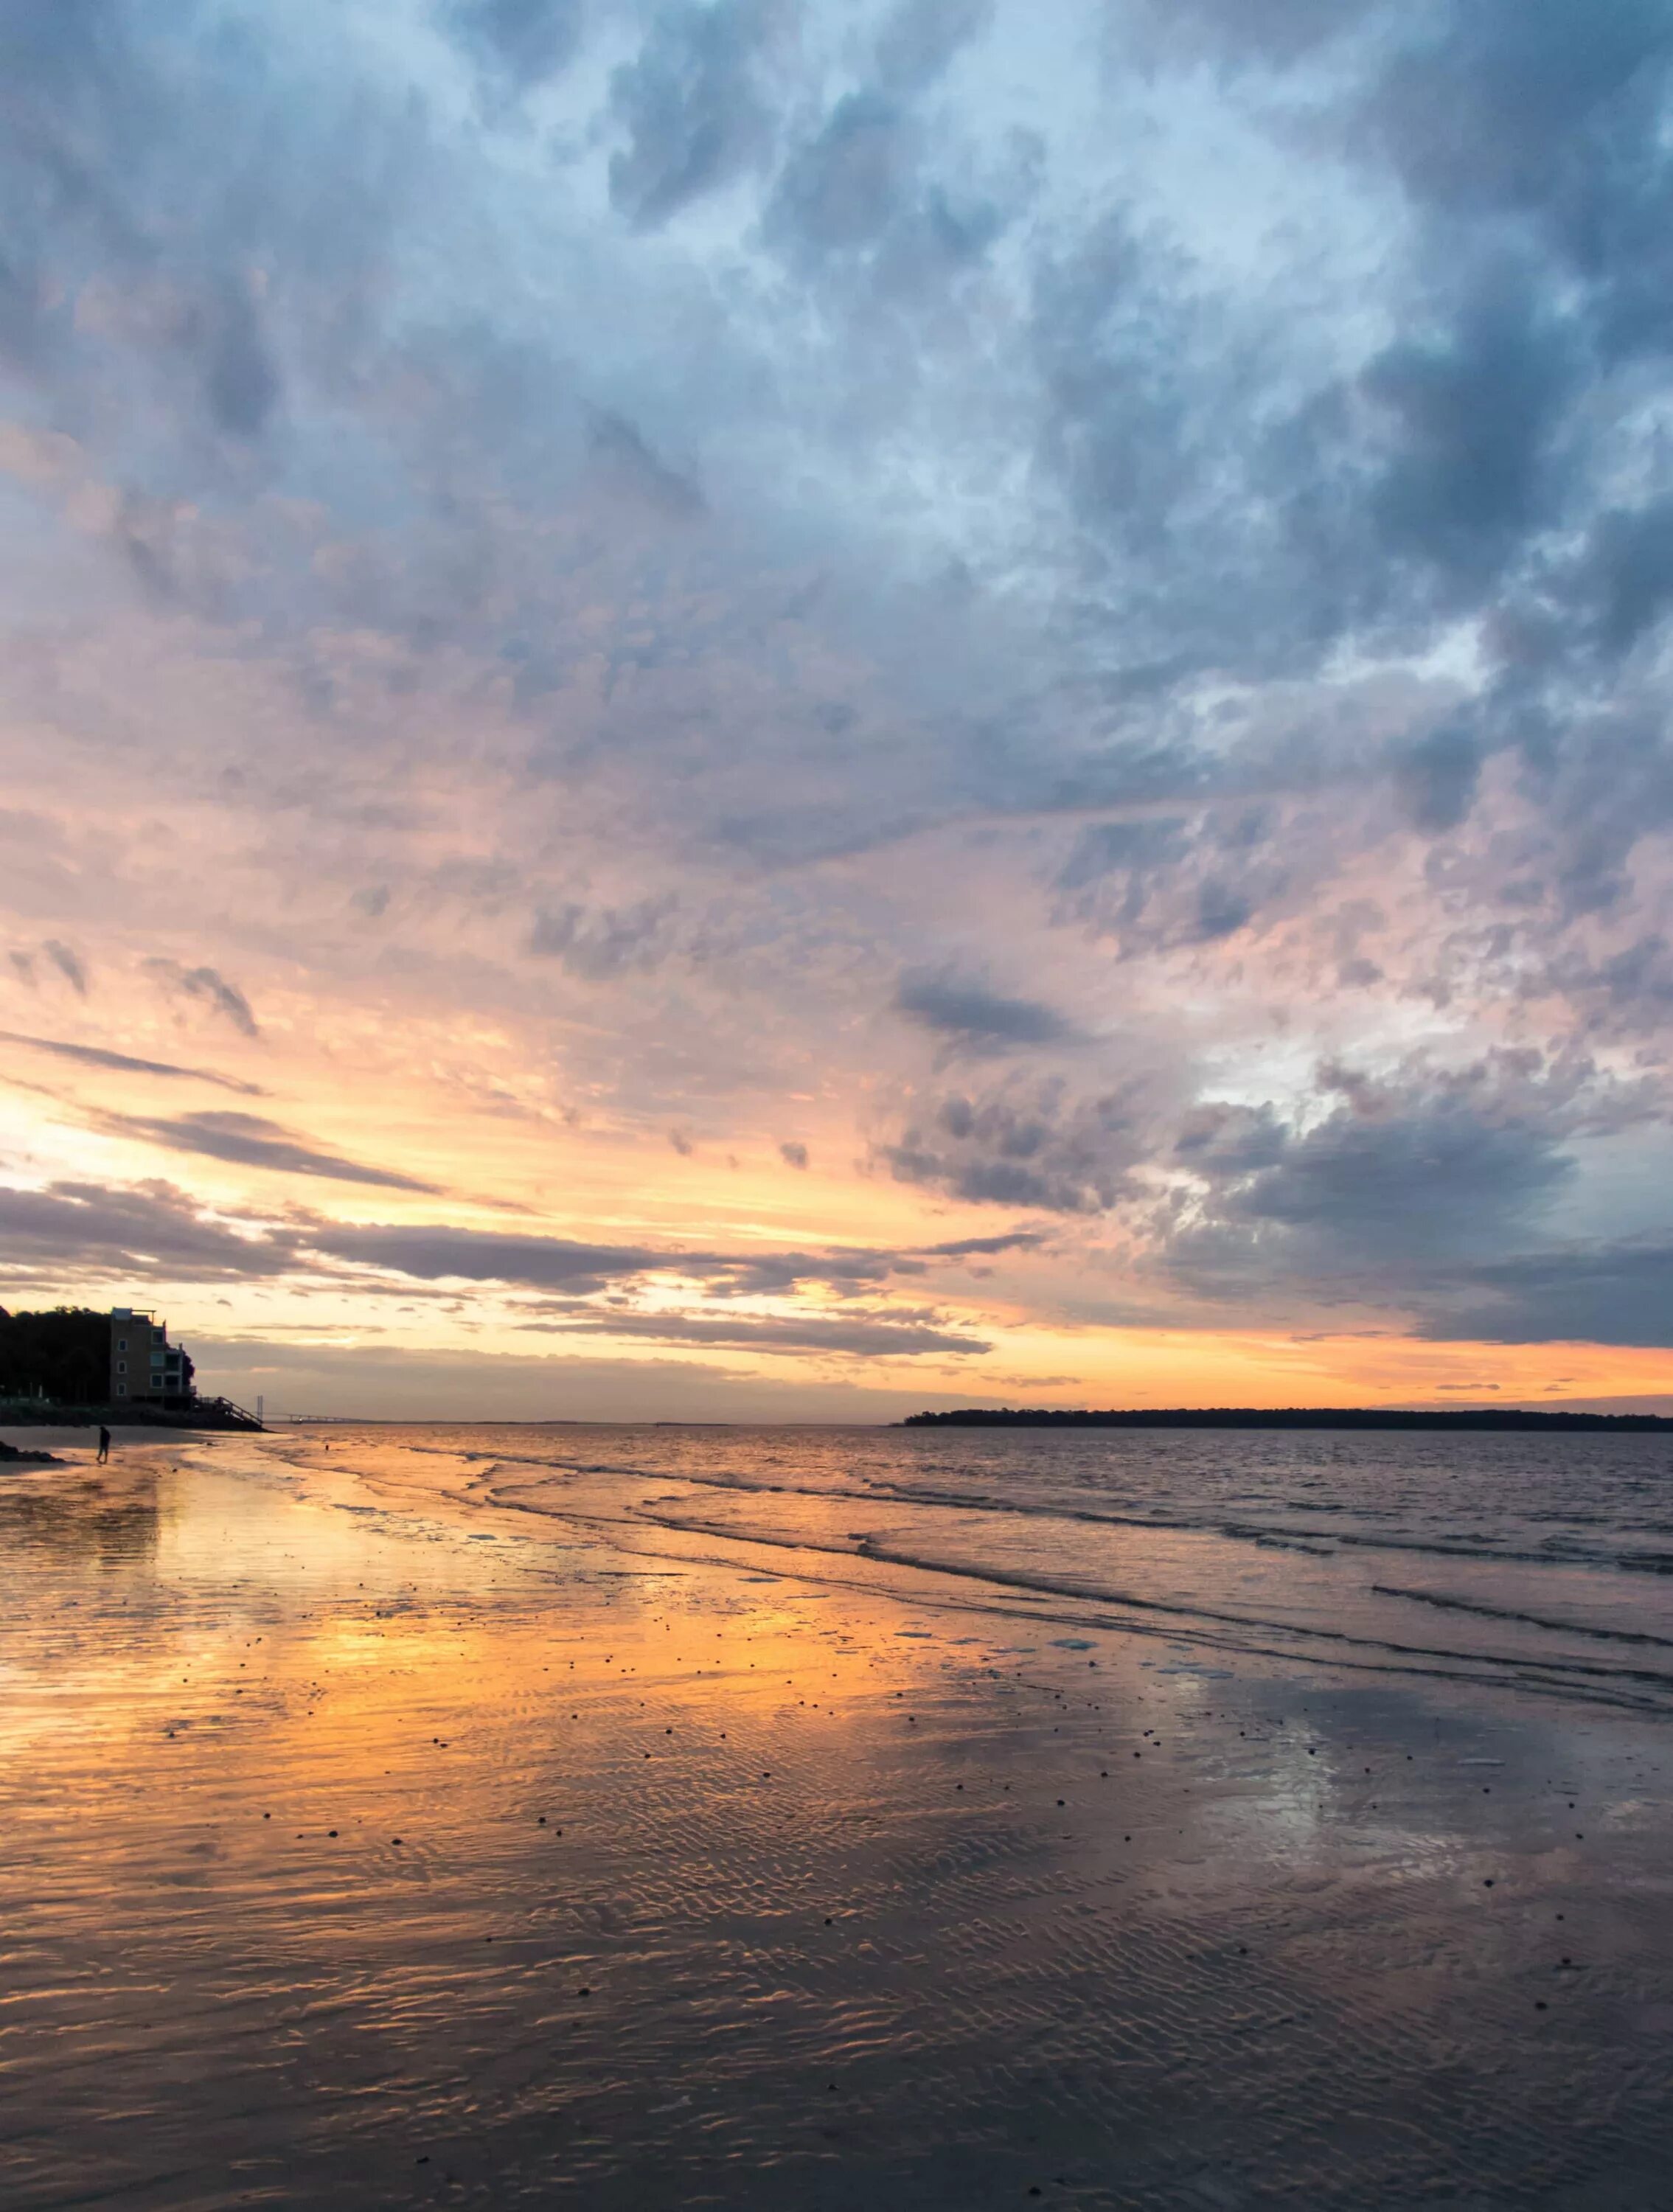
(756, 713)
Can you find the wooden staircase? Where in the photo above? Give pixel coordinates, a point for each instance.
(225, 1414)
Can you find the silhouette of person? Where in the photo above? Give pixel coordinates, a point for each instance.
(104, 1446)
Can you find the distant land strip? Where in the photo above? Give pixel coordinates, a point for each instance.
(1510, 1417)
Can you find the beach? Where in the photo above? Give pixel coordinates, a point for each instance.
(651, 1818)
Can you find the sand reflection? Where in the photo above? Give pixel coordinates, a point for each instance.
(108, 1521)
(362, 1861)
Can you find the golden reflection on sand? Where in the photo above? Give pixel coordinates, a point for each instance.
(349, 1857)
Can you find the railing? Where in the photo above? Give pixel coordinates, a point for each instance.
(235, 1416)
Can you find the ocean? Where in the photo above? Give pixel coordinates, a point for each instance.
(1538, 1562)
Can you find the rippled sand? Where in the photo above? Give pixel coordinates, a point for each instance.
(367, 1841)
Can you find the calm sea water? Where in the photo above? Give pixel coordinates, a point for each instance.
(1544, 1562)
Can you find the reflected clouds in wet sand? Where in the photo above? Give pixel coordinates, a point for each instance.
(372, 1842)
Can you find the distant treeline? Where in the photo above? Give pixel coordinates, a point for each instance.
(1286, 1417)
(64, 1355)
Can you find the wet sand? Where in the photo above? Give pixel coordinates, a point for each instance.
(361, 1848)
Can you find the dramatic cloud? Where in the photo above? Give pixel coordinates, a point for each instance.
(68, 965)
(600, 946)
(528, 39)
(861, 1335)
(979, 1020)
(123, 1063)
(987, 1248)
(155, 1232)
(1405, 1195)
(1075, 607)
(1369, 1199)
(248, 1140)
(214, 990)
(434, 1253)
(1622, 1295)
(690, 107)
(471, 1255)
(1023, 1143)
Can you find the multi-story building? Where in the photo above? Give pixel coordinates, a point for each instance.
(145, 1364)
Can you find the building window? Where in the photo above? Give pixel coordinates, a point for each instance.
(121, 1343)
(121, 1366)
(121, 1389)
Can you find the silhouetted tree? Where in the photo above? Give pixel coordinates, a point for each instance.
(64, 1355)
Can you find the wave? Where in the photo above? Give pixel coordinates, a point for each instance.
(1532, 1619)
(1267, 1534)
(1621, 1690)
(1645, 1689)
(1367, 1633)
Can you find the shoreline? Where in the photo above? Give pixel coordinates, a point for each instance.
(394, 1842)
(1349, 1420)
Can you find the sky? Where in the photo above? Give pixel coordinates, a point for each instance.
(787, 711)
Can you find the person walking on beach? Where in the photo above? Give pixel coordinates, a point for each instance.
(104, 1446)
